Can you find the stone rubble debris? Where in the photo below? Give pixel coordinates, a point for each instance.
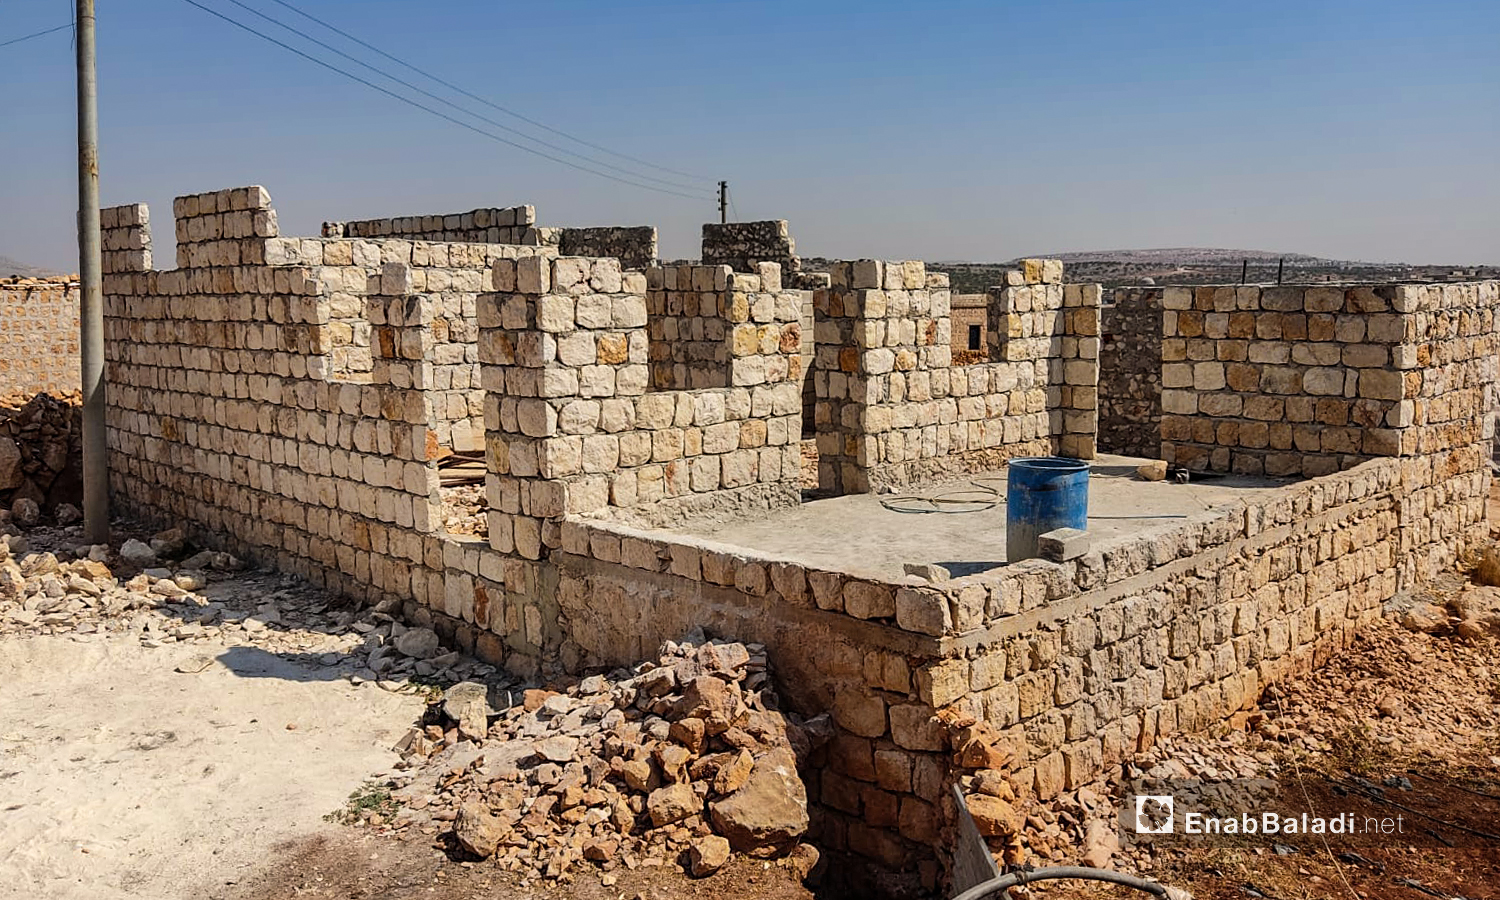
(685, 760)
(155, 588)
(466, 510)
(40, 453)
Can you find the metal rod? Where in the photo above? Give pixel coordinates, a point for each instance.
(1280, 265)
(91, 288)
(1244, 270)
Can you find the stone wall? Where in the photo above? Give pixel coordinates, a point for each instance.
(348, 270)
(39, 336)
(1076, 664)
(892, 409)
(452, 274)
(691, 313)
(742, 245)
(574, 426)
(634, 247)
(1082, 662)
(1130, 372)
(223, 418)
(507, 225)
(217, 228)
(1307, 380)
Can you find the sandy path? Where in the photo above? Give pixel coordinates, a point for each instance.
(122, 777)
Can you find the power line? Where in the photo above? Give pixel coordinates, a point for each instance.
(36, 35)
(442, 115)
(446, 102)
(453, 87)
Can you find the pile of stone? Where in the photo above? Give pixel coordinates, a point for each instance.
(164, 591)
(40, 457)
(76, 590)
(683, 760)
(465, 510)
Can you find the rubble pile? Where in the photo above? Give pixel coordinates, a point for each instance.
(166, 592)
(685, 760)
(40, 457)
(465, 510)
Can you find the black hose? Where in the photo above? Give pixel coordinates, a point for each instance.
(1014, 879)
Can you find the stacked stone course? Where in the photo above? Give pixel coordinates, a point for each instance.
(453, 273)
(490, 225)
(39, 336)
(704, 325)
(215, 229)
(634, 247)
(1308, 380)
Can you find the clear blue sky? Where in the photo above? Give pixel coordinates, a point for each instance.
(1366, 130)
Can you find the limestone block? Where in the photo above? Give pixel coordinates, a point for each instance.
(867, 273)
(922, 611)
(866, 600)
(1063, 544)
(860, 711)
(533, 275)
(827, 590)
(555, 313)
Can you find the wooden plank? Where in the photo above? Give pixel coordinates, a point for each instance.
(973, 864)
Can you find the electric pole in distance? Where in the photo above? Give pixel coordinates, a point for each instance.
(91, 287)
(723, 202)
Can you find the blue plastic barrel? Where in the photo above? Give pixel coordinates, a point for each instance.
(1043, 493)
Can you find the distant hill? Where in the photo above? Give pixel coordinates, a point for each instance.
(1206, 265)
(1189, 256)
(9, 267)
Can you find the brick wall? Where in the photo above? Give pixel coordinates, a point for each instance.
(39, 336)
(1130, 372)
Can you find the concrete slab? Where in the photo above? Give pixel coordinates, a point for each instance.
(964, 532)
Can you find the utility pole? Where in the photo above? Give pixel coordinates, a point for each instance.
(91, 286)
(723, 202)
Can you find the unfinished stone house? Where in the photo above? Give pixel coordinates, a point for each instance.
(641, 427)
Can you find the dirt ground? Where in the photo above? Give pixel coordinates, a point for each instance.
(346, 863)
(121, 776)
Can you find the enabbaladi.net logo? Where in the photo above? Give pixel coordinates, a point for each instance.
(1346, 811)
(1154, 813)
